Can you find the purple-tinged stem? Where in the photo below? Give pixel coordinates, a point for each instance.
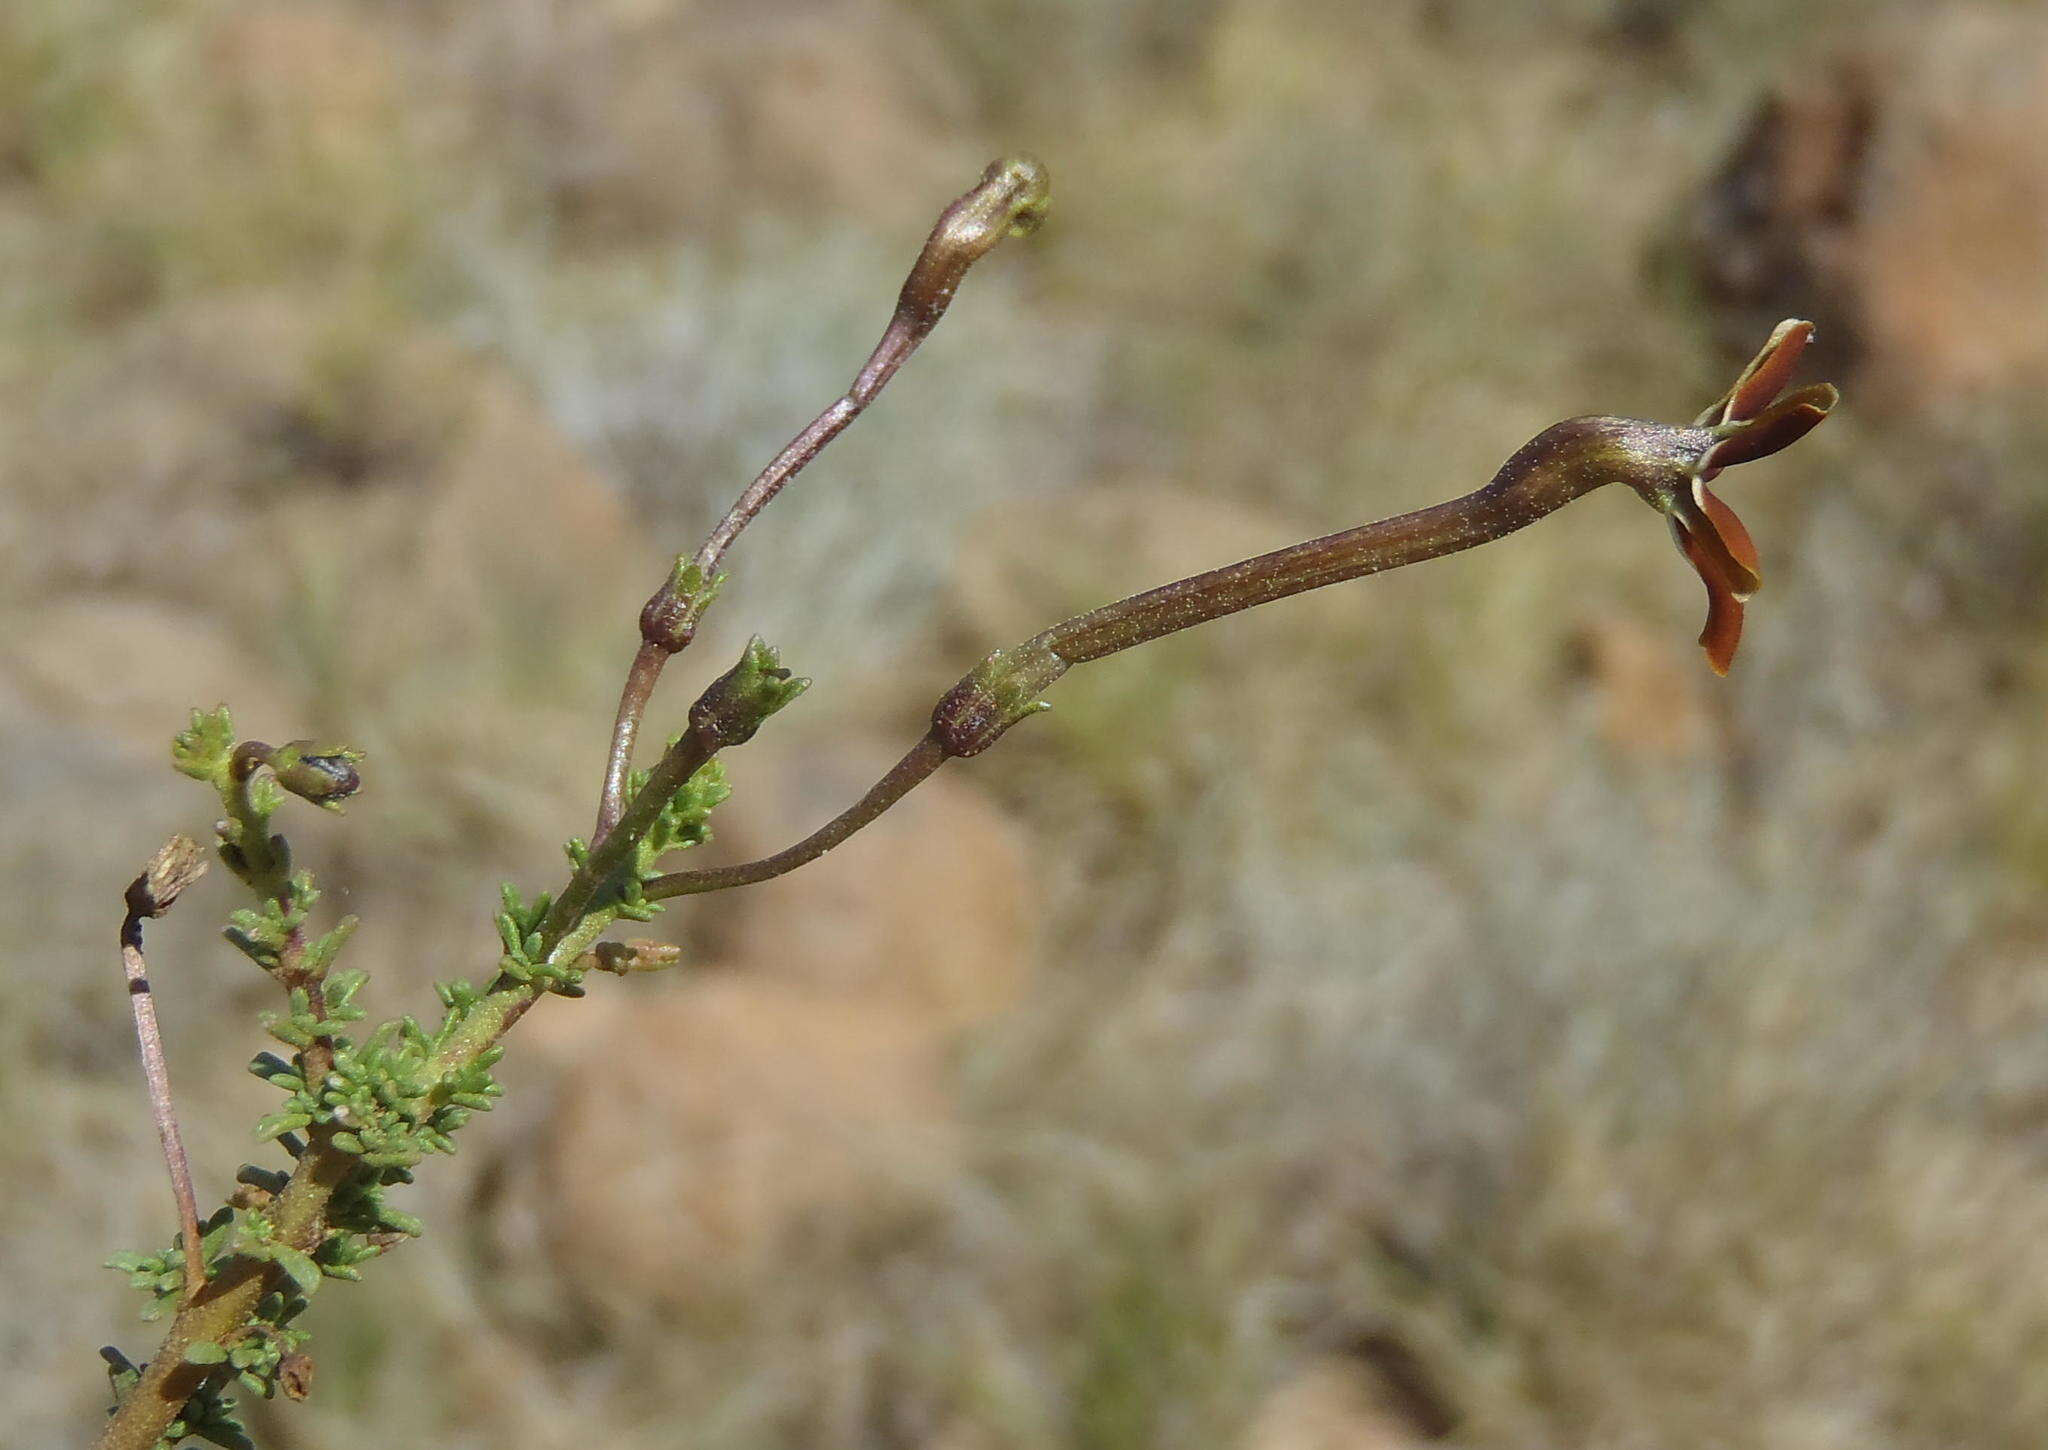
(1560, 464)
(173, 868)
(904, 776)
(1010, 200)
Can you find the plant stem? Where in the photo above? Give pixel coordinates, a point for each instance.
(1010, 200)
(641, 678)
(612, 854)
(219, 1310)
(1562, 463)
(912, 770)
(224, 1305)
(1558, 465)
(155, 1069)
(670, 638)
(151, 894)
(266, 863)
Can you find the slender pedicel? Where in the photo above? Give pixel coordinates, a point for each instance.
(904, 776)
(170, 871)
(1667, 464)
(1009, 201)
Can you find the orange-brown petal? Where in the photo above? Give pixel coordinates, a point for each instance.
(1777, 428)
(1723, 631)
(1768, 372)
(1740, 567)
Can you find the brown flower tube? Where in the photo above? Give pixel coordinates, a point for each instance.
(1668, 464)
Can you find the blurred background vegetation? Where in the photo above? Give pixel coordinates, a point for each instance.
(1433, 1009)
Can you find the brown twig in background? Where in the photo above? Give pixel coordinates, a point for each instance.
(1010, 200)
(170, 871)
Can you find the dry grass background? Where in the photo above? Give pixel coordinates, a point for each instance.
(1433, 1008)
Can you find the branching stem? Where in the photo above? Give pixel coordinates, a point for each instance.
(1010, 200)
(218, 1310)
(610, 856)
(1668, 465)
(223, 1306)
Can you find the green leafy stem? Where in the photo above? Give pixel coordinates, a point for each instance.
(358, 1114)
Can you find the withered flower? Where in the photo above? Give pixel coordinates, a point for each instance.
(1748, 422)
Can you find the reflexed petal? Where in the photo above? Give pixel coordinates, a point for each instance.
(1778, 427)
(1723, 631)
(1740, 566)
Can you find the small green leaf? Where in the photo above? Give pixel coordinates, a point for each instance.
(201, 749)
(304, 1272)
(324, 949)
(285, 1120)
(205, 1351)
(398, 1222)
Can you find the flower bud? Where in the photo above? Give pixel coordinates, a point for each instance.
(997, 693)
(669, 618)
(1011, 201)
(323, 774)
(735, 704)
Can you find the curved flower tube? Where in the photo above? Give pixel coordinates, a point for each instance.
(1668, 464)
